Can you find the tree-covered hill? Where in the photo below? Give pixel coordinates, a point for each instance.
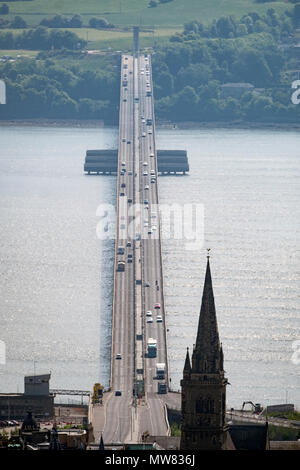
(191, 74)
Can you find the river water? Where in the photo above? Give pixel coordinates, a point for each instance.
(56, 275)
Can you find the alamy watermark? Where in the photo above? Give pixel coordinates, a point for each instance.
(2, 353)
(2, 92)
(296, 354)
(295, 98)
(183, 222)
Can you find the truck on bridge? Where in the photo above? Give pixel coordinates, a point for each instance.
(152, 347)
(121, 266)
(160, 370)
(161, 387)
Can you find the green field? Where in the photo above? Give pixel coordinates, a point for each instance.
(114, 40)
(120, 40)
(136, 12)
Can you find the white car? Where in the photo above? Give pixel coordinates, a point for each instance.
(153, 227)
(145, 163)
(149, 320)
(148, 313)
(145, 173)
(159, 319)
(147, 186)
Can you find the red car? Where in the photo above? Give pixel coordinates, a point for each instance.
(157, 305)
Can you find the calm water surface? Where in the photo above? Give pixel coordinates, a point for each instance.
(56, 275)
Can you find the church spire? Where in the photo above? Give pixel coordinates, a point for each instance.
(187, 365)
(207, 351)
(203, 397)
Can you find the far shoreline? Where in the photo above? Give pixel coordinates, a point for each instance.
(74, 123)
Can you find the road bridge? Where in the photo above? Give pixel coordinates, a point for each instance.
(133, 406)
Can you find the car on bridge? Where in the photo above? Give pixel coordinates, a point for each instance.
(157, 305)
(118, 356)
(148, 313)
(159, 319)
(118, 393)
(149, 320)
(121, 266)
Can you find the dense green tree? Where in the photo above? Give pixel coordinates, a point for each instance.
(186, 102)
(6, 41)
(4, 9)
(3, 23)
(99, 23)
(296, 15)
(76, 22)
(164, 84)
(18, 23)
(193, 75)
(252, 67)
(226, 27)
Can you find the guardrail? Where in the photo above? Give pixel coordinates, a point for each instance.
(160, 232)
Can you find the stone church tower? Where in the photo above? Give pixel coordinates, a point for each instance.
(204, 385)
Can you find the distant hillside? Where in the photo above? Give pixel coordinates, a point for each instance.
(128, 12)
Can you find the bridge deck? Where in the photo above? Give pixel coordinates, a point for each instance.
(139, 286)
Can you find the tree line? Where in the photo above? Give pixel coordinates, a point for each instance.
(57, 21)
(42, 39)
(49, 88)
